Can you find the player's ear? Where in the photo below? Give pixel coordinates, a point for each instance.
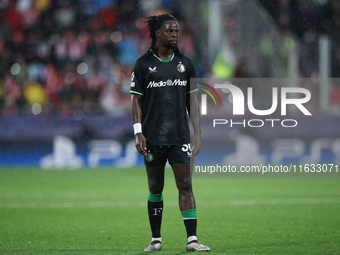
(158, 34)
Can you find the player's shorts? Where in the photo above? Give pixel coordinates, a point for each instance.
(175, 154)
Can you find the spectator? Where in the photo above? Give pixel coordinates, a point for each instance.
(45, 41)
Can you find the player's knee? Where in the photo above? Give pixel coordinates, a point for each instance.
(155, 186)
(184, 185)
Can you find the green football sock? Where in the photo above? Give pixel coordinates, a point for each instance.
(155, 210)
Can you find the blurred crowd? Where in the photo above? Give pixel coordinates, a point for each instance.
(308, 19)
(73, 57)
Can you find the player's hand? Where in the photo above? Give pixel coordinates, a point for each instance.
(141, 144)
(196, 144)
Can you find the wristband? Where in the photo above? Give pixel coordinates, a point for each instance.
(137, 128)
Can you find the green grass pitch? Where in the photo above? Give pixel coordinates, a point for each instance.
(103, 211)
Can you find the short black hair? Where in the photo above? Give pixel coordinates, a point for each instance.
(155, 23)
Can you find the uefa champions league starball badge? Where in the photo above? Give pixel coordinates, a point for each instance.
(149, 156)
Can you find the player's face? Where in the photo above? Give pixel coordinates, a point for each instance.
(168, 34)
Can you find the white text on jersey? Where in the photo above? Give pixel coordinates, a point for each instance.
(177, 82)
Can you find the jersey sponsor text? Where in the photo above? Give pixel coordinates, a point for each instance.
(177, 82)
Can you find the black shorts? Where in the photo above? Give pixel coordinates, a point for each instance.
(175, 154)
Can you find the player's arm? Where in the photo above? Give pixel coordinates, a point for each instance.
(193, 109)
(136, 115)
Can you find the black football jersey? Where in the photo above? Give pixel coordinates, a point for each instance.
(164, 85)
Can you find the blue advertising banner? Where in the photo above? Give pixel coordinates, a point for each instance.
(56, 142)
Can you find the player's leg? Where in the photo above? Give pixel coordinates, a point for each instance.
(155, 164)
(183, 178)
(182, 174)
(186, 198)
(155, 204)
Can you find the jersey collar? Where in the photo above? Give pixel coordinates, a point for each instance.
(164, 60)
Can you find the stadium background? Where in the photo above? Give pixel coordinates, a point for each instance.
(65, 71)
(64, 79)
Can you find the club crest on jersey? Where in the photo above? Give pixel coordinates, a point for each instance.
(181, 67)
(152, 70)
(149, 157)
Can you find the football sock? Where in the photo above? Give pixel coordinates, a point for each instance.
(192, 239)
(190, 222)
(155, 210)
(156, 240)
